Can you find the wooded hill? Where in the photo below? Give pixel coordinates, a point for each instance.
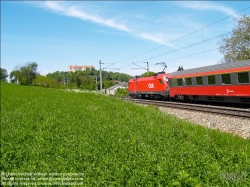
(87, 79)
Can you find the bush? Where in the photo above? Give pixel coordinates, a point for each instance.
(121, 92)
(45, 82)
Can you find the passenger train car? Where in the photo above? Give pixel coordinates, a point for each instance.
(223, 82)
(228, 82)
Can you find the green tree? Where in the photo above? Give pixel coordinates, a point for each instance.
(108, 84)
(45, 82)
(109, 77)
(151, 73)
(3, 75)
(14, 76)
(56, 75)
(77, 81)
(121, 92)
(180, 68)
(25, 74)
(87, 82)
(237, 47)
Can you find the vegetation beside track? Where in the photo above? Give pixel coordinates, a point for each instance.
(113, 142)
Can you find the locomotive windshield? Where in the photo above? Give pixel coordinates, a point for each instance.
(166, 79)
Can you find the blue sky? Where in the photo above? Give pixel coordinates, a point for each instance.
(56, 34)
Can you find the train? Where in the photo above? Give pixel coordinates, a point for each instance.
(226, 83)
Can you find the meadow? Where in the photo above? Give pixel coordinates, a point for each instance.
(112, 142)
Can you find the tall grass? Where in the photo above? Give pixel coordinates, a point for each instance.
(113, 142)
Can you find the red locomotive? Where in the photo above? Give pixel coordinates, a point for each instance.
(152, 87)
(228, 82)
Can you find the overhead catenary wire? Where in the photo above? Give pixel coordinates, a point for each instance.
(185, 47)
(181, 38)
(193, 54)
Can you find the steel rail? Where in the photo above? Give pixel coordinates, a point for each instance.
(242, 113)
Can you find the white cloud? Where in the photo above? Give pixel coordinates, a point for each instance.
(53, 5)
(160, 38)
(152, 37)
(203, 5)
(74, 11)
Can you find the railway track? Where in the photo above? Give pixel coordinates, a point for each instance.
(235, 112)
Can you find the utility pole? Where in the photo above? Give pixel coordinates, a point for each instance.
(101, 72)
(147, 68)
(100, 75)
(65, 81)
(96, 82)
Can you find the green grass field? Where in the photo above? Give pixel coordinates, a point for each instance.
(112, 142)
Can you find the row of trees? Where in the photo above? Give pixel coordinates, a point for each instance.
(72, 76)
(89, 79)
(27, 74)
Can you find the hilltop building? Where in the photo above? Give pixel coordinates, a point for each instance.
(73, 68)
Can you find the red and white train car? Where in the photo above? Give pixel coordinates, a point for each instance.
(152, 87)
(228, 82)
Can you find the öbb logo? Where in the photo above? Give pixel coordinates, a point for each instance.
(150, 85)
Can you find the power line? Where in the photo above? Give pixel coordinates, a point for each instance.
(185, 47)
(187, 55)
(193, 54)
(188, 46)
(184, 35)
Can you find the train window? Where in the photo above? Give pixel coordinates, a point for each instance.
(161, 82)
(174, 82)
(189, 81)
(243, 77)
(211, 80)
(226, 79)
(179, 82)
(199, 81)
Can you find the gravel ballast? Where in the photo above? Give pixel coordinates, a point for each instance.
(236, 126)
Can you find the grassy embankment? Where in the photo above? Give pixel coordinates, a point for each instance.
(113, 142)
